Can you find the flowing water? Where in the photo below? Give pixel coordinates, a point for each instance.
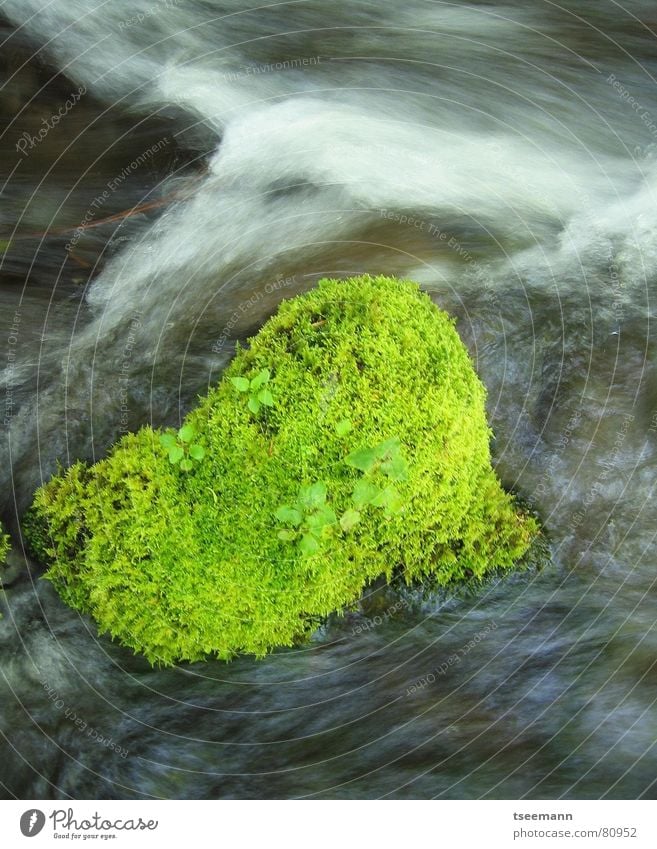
(504, 155)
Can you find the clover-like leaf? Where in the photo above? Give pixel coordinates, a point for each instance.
(343, 427)
(168, 440)
(313, 495)
(196, 452)
(327, 515)
(186, 465)
(186, 433)
(349, 519)
(290, 515)
(240, 383)
(176, 454)
(253, 404)
(389, 499)
(362, 459)
(388, 447)
(260, 379)
(364, 493)
(308, 544)
(396, 468)
(265, 397)
(321, 518)
(287, 535)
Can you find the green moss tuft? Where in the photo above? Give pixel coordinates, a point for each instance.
(347, 442)
(5, 544)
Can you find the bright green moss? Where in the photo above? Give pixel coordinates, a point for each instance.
(230, 553)
(5, 544)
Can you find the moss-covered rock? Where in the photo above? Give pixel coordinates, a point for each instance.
(348, 441)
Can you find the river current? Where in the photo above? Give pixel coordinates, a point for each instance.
(504, 155)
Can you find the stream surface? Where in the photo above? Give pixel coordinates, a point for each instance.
(504, 155)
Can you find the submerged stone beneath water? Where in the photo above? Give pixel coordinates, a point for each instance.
(347, 442)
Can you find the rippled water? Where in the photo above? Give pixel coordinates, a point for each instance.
(502, 155)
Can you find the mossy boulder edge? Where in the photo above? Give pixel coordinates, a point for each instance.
(348, 441)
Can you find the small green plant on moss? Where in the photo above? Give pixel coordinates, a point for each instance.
(257, 392)
(191, 566)
(181, 448)
(310, 519)
(385, 458)
(5, 544)
(383, 462)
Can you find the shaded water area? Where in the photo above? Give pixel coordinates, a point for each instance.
(502, 155)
